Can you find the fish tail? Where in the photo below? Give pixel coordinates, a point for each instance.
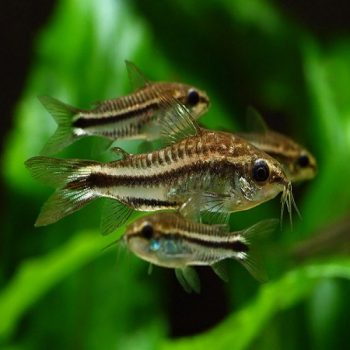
(63, 114)
(70, 178)
(250, 258)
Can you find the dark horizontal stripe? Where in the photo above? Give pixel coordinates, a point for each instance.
(138, 202)
(218, 168)
(84, 122)
(236, 246)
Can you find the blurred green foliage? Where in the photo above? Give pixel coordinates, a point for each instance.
(59, 289)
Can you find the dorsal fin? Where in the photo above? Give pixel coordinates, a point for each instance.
(175, 120)
(255, 121)
(136, 77)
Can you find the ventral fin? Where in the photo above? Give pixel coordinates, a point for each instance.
(207, 208)
(136, 77)
(188, 278)
(114, 215)
(255, 121)
(221, 269)
(121, 153)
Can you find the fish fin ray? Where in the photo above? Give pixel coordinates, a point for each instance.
(188, 278)
(251, 259)
(114, 215)
(220, 268)
(175, 120)
(62, 203)
(136, 77)
(262, 229)
(63, 114)
(254, 267)
(255, 121)
(55, 172)
(69, 176)
(206, 207)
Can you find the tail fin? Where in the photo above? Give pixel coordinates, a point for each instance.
(250, 259)
(70, 177)
(63, 114)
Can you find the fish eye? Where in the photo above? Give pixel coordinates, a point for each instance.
(261, 170)
(192, 97)
(147, 231)
(303, 161)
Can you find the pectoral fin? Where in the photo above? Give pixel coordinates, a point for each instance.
(207, 208)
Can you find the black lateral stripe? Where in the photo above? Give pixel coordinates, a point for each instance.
(83, 122)
(236, 246)
(137, 202)
(101, 180)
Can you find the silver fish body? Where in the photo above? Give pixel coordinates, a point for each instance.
(213, 171)
(135, 116)
(171, 241)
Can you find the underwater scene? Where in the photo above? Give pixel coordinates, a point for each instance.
(174, 175)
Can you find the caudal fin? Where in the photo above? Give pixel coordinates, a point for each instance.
(250, 259)
(63, 114)
(70, 177)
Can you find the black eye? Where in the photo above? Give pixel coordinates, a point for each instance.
(303, 161)
(192, 97)
(147, 231)
(261, 171)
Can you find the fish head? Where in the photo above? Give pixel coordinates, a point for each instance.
(258, 178)
(304, 166)
(196, 100)
(148, 239)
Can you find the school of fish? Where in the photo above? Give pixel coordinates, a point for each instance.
(192, 184)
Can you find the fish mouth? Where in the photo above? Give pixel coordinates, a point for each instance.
(287, 200)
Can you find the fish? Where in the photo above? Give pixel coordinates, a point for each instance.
(298, 163)
(199, 171)
(134, 116)
(169, 240)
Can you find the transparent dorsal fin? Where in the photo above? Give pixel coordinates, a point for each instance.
(114, 214)
(175, 119)
(120, 152)
(220, 268)
(188, 278)
(136, 77)
(255, 121)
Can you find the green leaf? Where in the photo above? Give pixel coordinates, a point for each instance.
(240, 329)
